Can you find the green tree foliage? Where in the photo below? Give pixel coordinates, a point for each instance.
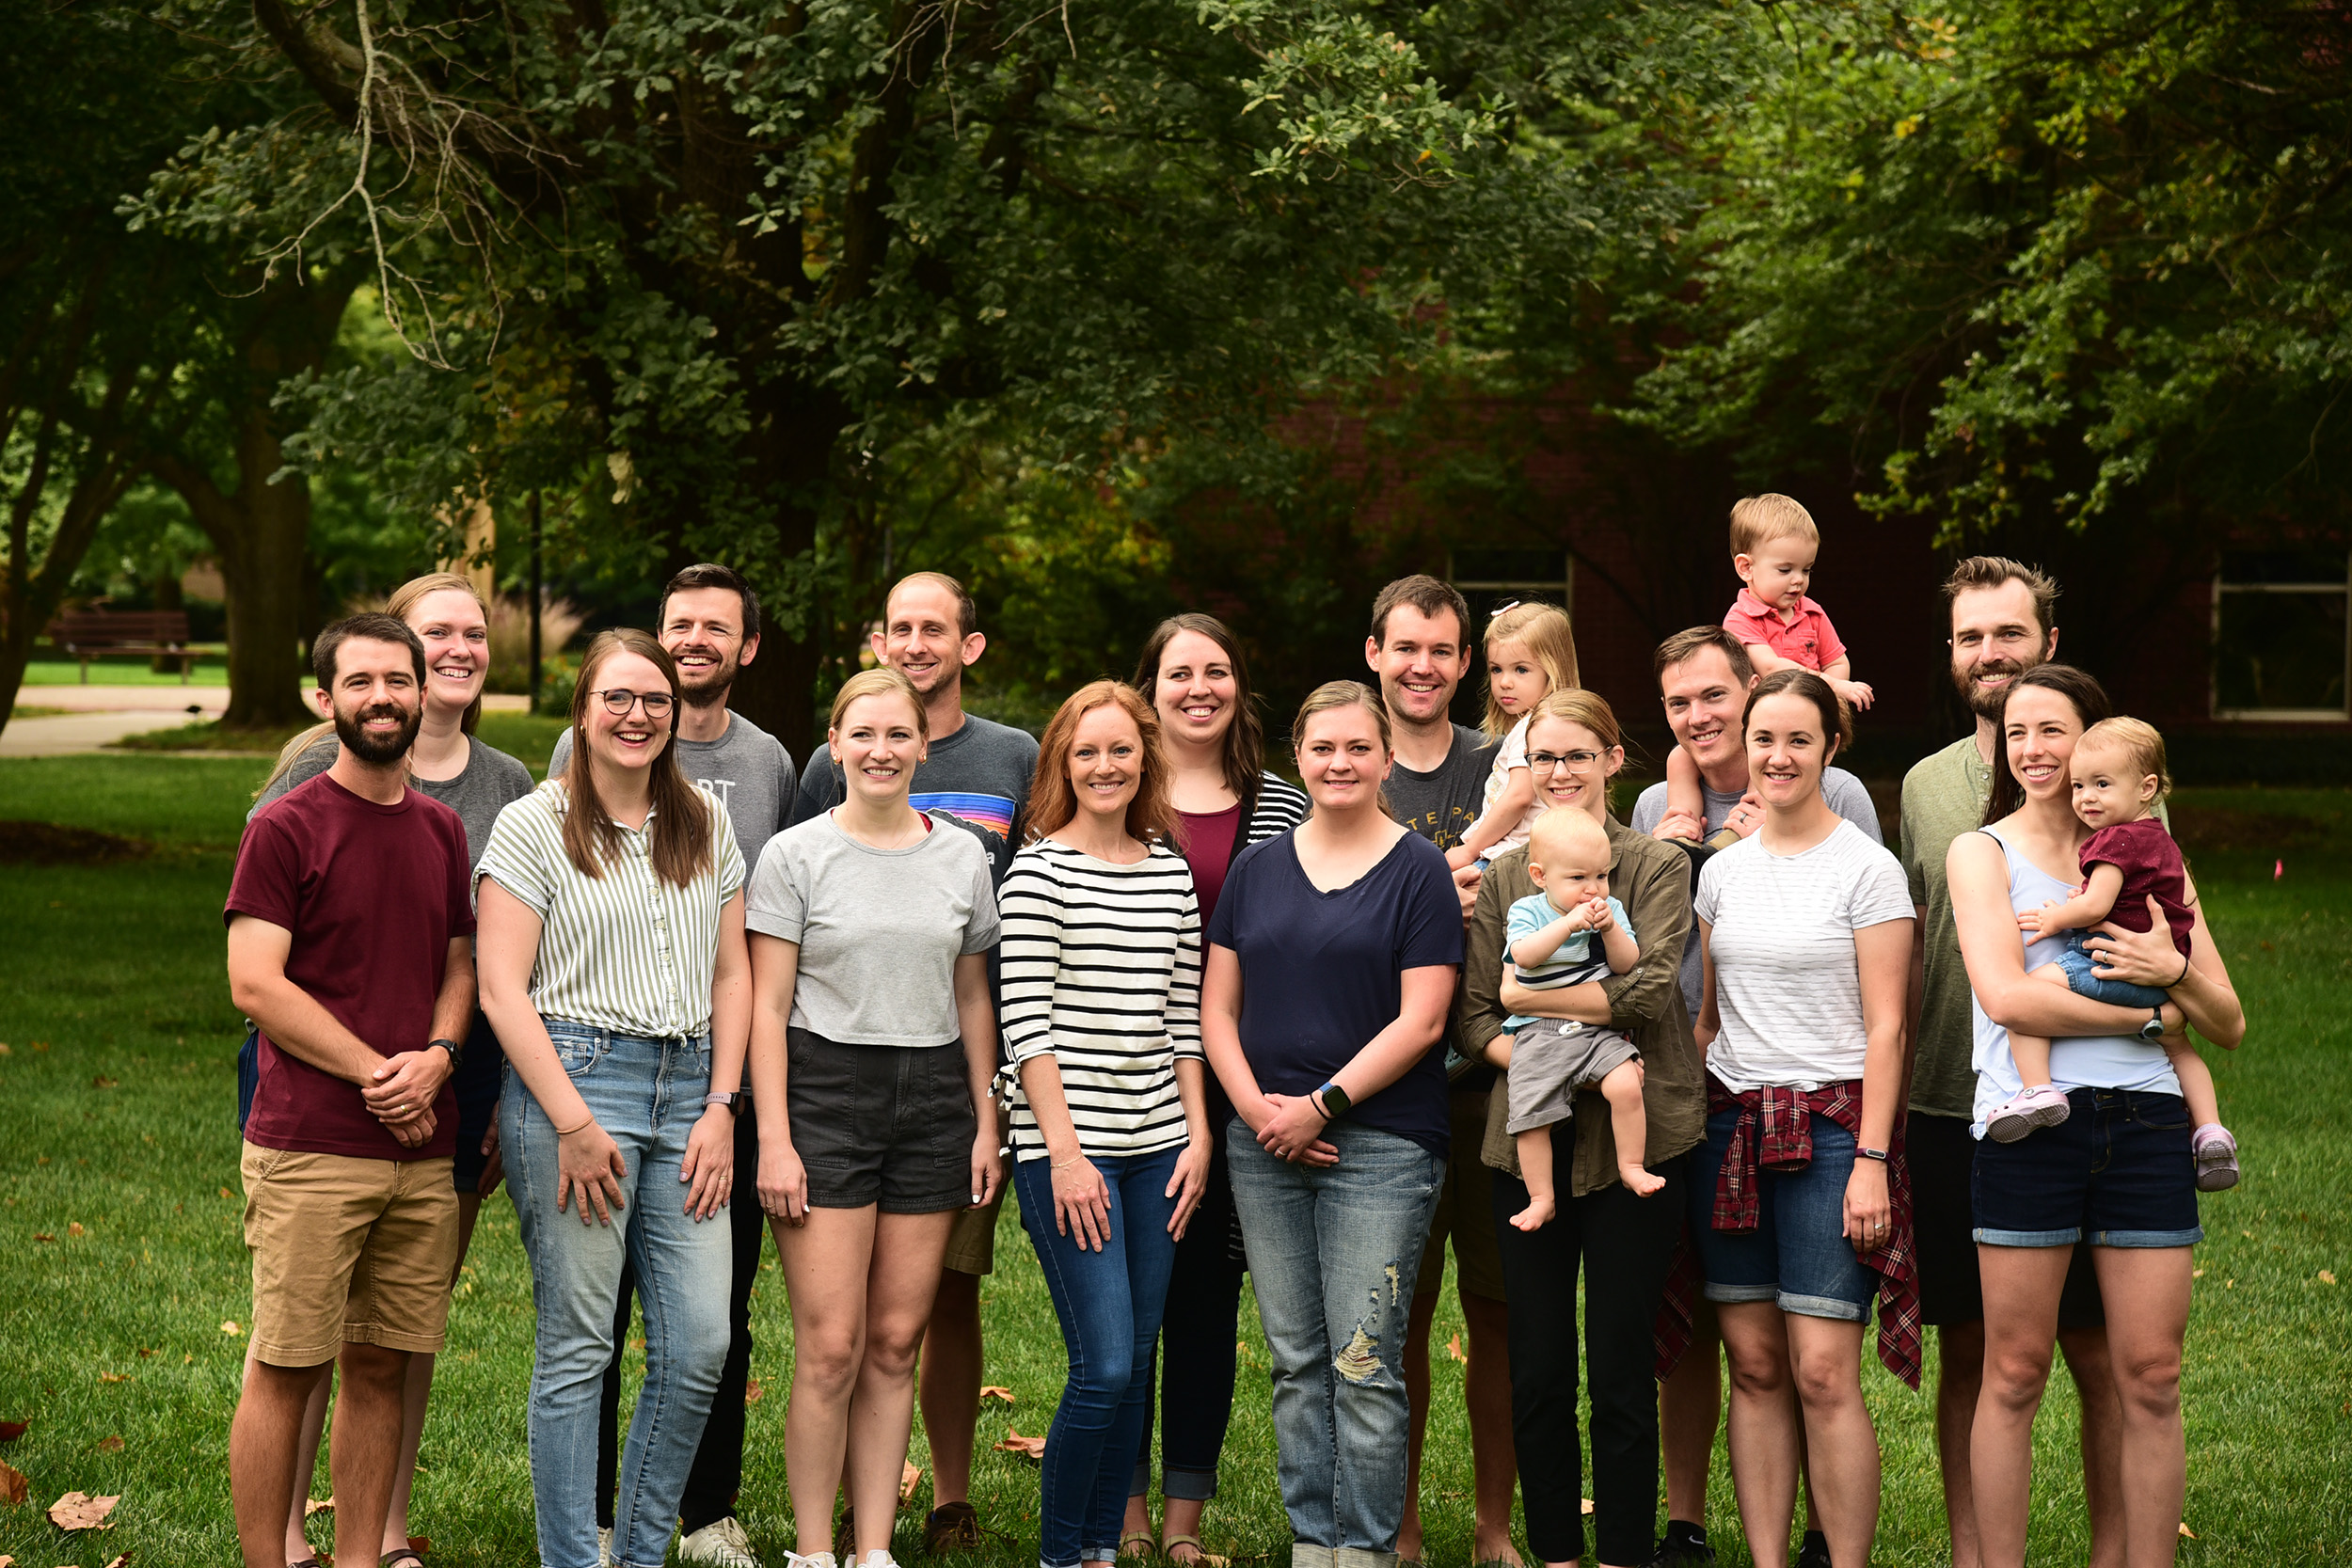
(2029, 265)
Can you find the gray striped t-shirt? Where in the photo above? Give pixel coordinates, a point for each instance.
(1786, 983)
(626, 951)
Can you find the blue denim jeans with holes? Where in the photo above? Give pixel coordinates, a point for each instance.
(1110, 1304)
(1334, 1251)
(647, 1094)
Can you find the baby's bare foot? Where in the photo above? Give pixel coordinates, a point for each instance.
(1537, 1214)
(1641, 1183)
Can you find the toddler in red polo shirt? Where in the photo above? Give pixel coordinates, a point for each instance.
(1774, 544)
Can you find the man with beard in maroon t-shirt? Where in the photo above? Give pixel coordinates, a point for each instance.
(350, 929)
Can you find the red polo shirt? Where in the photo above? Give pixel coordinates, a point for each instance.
(1810, 639)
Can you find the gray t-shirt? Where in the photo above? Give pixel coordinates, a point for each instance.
(1842, 790)
(491, 781)
(1441, 803)
(746, 767)
(979, 775)
(880, 929)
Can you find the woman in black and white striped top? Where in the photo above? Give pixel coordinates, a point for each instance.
(1193, 672)
(1102, 1018)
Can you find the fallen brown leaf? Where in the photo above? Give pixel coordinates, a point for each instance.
(11, 1430)
(102, 1081)
(1015, 1443)
(420, 1543)
(228, 1325)
(998, 1391)
(74, 1227)
(751, 1390)
(2186, 1533)
(1454, 1348)
(80, 1510)
(909, 1479)
(146, 1351)
(2326, 1276)
(1588, 1505)
(224, 1192)
(43, 1236)
(317, 1505)
(14, 1488)
(121, 1561)
(113, 1377)
(110, 1445)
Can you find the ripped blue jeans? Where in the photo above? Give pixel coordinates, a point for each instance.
(1333, 1252)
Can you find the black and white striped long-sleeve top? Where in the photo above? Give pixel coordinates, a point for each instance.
(1281, 806)
(1101, 967)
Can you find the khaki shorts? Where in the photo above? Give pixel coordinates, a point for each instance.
(1465, 1210)
(348, 1249)
(972, 1241)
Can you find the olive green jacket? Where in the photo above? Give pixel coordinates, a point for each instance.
(1653, 882)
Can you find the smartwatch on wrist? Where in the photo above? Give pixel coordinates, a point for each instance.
(1862, 1153)
(2154, 1028)
(733, 1101)
(457, 1052)
(1333, 1100)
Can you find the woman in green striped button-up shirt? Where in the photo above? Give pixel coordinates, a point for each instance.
(613, 968)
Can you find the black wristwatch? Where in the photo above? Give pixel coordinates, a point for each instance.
(1333, 1100)
(2154, 1028)
(457, 1052)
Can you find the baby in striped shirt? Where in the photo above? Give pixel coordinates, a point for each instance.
(1552, 936)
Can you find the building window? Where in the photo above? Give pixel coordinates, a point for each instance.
(1489, 578)
(2280, 643)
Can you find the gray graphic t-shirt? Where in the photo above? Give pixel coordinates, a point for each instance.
(1441, 803)
(746, 767)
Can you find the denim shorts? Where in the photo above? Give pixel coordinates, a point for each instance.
(2117, 1172)
(2082, 980)
(891, 1125)
(1797, 1255)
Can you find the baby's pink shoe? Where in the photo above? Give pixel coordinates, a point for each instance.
(2216, 1158)
(2038, 1106)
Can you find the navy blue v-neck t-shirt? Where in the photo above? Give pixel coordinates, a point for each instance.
(1322, 973)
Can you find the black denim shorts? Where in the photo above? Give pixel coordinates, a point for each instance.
(2117, 1172)
(882, 1124)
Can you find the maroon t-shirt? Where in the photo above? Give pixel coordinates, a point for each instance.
(2151, 863)
(1209, 849)
(373, 895)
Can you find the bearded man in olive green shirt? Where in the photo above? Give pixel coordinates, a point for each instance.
(2001, 627)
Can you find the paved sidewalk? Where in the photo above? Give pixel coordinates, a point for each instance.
(105, 714)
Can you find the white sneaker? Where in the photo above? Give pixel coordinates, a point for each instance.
(876, 1559)
(814, 1560)
(604, 1546)
(721, 1542)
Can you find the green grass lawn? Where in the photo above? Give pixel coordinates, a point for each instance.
(125, 670)
(119, 1223)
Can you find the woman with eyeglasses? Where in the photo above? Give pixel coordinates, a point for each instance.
(1623, 1243)
(614, 967)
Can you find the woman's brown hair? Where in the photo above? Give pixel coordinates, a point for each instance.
(1337, 694)
(683, 831)
(401, 601)
(1245, 738)
(2083, 693)
(1806, 685)
(1053, 803)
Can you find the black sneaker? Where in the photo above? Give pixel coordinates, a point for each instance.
(1684, 1545)
(1815, 1552)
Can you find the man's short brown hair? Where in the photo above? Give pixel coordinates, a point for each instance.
(1431, 596)
(968, 612)
(709, 573)
(1755, 519)
(1683, 644)
(1991, 571)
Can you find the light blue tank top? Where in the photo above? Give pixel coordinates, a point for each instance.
(2097, 1061)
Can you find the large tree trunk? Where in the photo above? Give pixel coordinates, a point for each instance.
(262, 529)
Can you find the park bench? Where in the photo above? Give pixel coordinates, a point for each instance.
(85, 634)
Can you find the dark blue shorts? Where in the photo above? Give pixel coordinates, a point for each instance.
(477, 1084)
(2117, 1172)
(1797, 1257)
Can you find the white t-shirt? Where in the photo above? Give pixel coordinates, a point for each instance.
(1787, 986)
(1511, 754)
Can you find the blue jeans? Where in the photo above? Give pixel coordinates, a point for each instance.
(1334, 1251)
(2081, 979)
(1109, 1303)
(647, 1094)
(1797, 1257)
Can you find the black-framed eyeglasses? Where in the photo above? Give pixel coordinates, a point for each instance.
(617, 703)
(1549, 760)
